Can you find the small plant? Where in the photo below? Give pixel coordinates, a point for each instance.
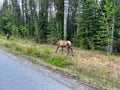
(31, 50)
(35, 51)
(117, 82)
(59, 61)
(17, 47)
(8, 45)
(45, 53)
(104, 72)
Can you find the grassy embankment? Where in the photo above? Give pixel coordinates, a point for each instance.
(91, 66)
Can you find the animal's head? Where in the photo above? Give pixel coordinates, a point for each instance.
(54, 42)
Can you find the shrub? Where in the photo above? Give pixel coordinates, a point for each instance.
(35, 51)
(59, 61)
(30, 50)
(8, 45)
(17, 47)
(45, 53)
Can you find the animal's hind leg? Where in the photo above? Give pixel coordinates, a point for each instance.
(71, 51)
(68, 50)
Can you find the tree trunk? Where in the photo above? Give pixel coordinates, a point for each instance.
(65, 18)
(112, 31)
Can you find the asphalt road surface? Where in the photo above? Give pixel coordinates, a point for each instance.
(16, 73)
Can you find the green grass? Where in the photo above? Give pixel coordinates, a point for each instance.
(59, 61)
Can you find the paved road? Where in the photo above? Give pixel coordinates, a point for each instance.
(23, 75)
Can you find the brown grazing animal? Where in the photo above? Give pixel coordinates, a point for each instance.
(62, 44)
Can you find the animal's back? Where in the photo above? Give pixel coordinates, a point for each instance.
(64, 43)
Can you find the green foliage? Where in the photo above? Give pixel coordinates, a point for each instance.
(59, 61)
(8, 45)
(52, 30)
(29, 50)
(23, 31)
(45, 53)
(60, 17)
(87, 25)
(34, 51)
(42, 23)
(107, 22)
(17, 47)
(15, 30)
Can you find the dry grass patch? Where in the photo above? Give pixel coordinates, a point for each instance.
(106, 67)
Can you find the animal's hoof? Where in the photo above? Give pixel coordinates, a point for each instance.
(73, 55)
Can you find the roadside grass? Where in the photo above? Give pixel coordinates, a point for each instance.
(58, 61)
(91, 66)
(34, 50)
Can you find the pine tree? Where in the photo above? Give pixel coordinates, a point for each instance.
(87, 24)
(60, 17)
(43, 20)
(5, 18)
(107, 22)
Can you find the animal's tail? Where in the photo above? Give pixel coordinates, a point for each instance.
(70, 44)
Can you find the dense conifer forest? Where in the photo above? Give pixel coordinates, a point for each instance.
(90, 24)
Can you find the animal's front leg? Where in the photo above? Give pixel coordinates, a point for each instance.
(56, 49)
(71, 51)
